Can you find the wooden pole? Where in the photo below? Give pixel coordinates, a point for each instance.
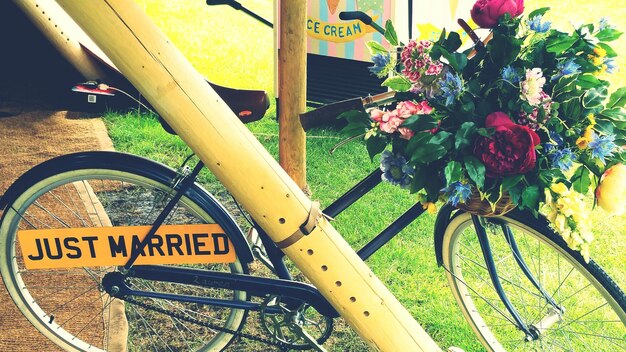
(292, 89)
(63, 34)
(180, 94)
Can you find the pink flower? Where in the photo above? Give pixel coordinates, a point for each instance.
(487, 12)
(425, 108)
(510, 150)
(391, 121)
(415, 57)
(407, 108)
(406, 133)
(532, 86)
(434, 70)
(377, 115)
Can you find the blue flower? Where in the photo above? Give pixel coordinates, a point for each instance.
(563, 159)
(457, 192)
(451, 87)
(395, 169)
(602, 146)
(380, 61)
(611, 66)
(536, 25)
(510, 74)
(555, 142)
(568, 67)
(604, 24)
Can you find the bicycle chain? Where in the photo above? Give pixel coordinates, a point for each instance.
(283, 346)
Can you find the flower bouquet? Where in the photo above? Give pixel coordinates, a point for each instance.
(524, 120)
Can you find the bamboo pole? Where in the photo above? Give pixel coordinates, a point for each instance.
(62, 33)
(161, 73)
(292, 89)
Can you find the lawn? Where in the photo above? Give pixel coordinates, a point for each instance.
(232, 49)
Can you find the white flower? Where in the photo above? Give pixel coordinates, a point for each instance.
(532, 86)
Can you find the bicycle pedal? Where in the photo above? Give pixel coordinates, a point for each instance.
(258, 250)
(255, 241)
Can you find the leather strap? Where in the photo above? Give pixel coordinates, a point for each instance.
(306, 228)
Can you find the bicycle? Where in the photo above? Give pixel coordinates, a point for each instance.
(104, 189)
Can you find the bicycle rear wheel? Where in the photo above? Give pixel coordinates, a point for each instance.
(69, 306)
(593, 316)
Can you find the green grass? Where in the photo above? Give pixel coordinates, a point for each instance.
(231, 49)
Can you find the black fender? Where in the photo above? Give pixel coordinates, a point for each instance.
(137, 165)
(441, 223)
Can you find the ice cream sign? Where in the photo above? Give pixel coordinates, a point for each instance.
(345, 31)
(329, 35)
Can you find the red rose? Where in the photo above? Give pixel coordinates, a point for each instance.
(510, 150)
(487, 12)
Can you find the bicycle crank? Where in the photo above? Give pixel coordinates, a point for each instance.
(300, 328)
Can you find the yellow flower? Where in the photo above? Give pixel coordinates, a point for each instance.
(430, 207)
(582, 143)
(559, 188)
(597, 61)
(611, 193)
(599, 52)
(592, 120)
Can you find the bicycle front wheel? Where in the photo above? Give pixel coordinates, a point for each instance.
(69, 306)
(588, 310)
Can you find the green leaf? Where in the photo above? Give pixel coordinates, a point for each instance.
(588, 81)
(419, 178)
(581, 180)
(511, 181)
(538, 12)
(420, 122)
(453, 172)
(376, 48)
(355, 116)
(560, 44)
(453, 42)
(353, 129)
(398, 83)
(564, 83)
(550, 176)
(475, 169)
(609, 34)
(594, 97)
(458, 61)
(390, 33)
(571, 109)
(463, 137)
(428, 153)
(375, 145)
(530, 198)
(442, 138)
(418, 140)
(618, 98)
(486, 132)
(614, 114)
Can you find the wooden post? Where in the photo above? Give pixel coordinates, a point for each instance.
(63, 33)
(292, 89)
(180, 94)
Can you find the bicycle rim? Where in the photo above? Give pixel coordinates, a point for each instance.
(68, 305)
(593, 314)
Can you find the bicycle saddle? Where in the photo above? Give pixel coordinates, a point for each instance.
(248, 105)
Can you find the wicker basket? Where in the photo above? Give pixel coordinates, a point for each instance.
(482, 207)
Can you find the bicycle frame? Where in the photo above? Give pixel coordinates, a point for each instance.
(198, 115)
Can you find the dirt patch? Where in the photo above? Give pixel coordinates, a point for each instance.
(27, 140)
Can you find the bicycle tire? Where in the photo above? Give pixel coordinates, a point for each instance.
(594, 316)
(130, 190)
